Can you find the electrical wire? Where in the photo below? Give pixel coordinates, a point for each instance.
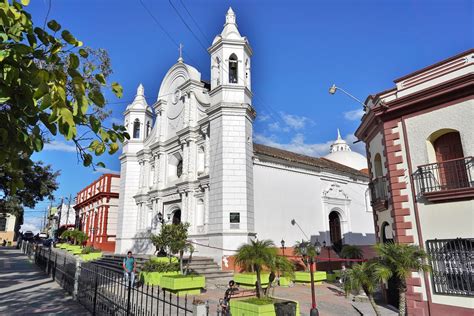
(187, 26)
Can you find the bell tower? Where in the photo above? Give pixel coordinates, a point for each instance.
(231, 115)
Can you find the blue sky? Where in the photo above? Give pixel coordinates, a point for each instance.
(300, 49)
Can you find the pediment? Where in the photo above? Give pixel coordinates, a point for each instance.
(335, 191)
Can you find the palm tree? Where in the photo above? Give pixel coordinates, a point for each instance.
(366, 276)
(351, 252)
(402, 260)
(283, 267)
(306, 250)
(257, 255)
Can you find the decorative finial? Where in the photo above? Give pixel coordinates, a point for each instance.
(338, 134)
(180, 59)
(140, 90)
(230, 16)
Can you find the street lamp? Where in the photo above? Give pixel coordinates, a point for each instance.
(334, 88)
(282, 242)
(317, 249)
(293, 222)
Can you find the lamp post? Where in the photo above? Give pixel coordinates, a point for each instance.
(334, 88)
(293, 222)
(282, 242)
(317, 249)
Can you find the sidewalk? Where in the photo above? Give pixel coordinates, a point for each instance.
(25, 290)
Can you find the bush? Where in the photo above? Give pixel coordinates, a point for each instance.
(77, 236)
(158, 266)
(89, 249)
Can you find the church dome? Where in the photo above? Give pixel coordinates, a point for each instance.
(341, 153)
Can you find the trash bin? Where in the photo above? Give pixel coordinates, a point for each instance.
(287, 308)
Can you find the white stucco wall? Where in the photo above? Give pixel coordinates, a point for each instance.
(283, 194)
(454, 219)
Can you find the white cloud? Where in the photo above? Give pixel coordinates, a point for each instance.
(294, 121)
(354, 115)
(33, 224)
(298, 144)
(59, 146)
(263, 117)
(106, 170)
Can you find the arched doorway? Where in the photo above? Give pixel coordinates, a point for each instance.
(335, 229)
(176, 217)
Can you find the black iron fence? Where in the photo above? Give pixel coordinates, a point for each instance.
(378, 190)
(105, 292)
(446, 175)
(452, 262)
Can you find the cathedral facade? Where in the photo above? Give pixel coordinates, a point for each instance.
(191, 158)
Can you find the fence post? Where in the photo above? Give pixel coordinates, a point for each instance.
(129, 293)
(77, 275)
(95, 290)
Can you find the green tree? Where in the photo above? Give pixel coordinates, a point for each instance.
(50, 85)
(351, 252)
(281, 266)
(366, 276)
(39, 184)
(402, 260)
(174, 238)
(306, 250)
(258, 254)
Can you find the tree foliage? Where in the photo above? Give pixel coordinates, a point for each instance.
(366, 276)
(351, 252)
(78, 237)
(173, 238)
(39, 183)
(402, 260)
(50, 85)
(257, 255)
(306, 250)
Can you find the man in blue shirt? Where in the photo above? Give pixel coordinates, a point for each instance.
(130, 267)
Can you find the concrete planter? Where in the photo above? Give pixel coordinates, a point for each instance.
(164, 259)
(285, 281)
(305, 277)
(183, 284)
(154, 278)
(332, 277)
(91, 256)
(245, 308)
(248, 279)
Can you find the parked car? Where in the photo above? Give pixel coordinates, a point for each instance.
(28, 236)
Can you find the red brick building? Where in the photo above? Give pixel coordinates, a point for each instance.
(420, 145)
(97, 206)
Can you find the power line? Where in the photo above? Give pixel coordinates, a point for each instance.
(195, 23)
(163, 29)
(187, 26)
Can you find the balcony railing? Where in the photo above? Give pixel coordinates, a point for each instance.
(379, 191)
(447, 175)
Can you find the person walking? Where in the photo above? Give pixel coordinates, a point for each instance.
(130, 268)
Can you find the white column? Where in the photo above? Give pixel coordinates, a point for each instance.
(146, 175)
(207, 155)
(192, 153)
(162, 173)
(185, 160)
(157, 169)
(206, 208)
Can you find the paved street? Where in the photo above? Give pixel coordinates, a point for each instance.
(25, 290)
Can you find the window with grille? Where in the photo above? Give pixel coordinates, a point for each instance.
(3, 224)
(452, 262)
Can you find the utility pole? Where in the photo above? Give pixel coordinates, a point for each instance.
(59, 212)
(68, 207)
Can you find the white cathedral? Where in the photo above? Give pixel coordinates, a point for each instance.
(191, 158)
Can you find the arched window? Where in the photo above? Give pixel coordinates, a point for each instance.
(179, 168)
(233, 73)
(378, 165)
(136, 129)
(148, 128)
(176, 217)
